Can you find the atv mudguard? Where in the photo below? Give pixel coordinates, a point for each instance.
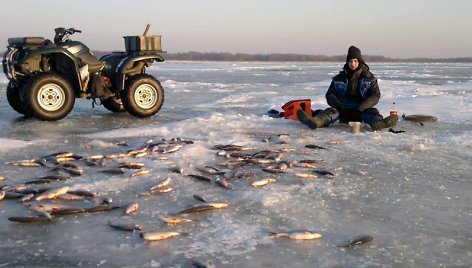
(133, 64)
(74, 61)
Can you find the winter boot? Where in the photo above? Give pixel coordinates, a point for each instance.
(320, 120)
(387, 122)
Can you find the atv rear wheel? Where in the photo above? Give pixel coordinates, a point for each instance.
(114, 104)
(143, 96)
(48, 96)
(13, 97)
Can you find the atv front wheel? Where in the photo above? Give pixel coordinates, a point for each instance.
(143, 96)
(48, 96)
(114, 104)
(13, 97)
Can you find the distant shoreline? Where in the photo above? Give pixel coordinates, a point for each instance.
(289, 57)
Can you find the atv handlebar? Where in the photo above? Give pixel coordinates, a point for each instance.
(62, 34)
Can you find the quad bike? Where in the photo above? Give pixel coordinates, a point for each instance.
(45, 77)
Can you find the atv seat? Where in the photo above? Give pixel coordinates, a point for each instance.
(94, 64)
(26, 41)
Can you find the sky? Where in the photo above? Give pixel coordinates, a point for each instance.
(398, 29)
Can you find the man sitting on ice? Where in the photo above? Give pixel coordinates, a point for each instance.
(352, 95)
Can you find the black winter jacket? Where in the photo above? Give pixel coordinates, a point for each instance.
(360, 91)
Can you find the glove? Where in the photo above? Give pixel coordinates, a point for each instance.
(340, 109)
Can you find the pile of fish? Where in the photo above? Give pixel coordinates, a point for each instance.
(235, 162)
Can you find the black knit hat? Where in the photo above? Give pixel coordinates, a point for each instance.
(354, 53)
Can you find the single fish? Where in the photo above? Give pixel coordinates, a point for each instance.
(12, 195)
(335, 142)
(113, 171)
(71, 171)
(95, 157)
(314, 146)
(199, 198)
(260, 161)
(173, 220)
(274, 170)
(59, 154)
(131, 165)
(310, 161)
(122, 143)
(71, 197)
(130, 208)
(91, 163)
(142, 154)
(67, 211)
(223, 183)
(298, 234)
(306, 175)
(240, 155)
(286, 150)
(115, 156)
(64, 159)
(199, 177)
(263, 182)
(107, 200)
(274, 156)
(44, 214)
(206, 207)
(43, 181)
(55, 177)
(46, 207)
(69, 165)
(178, 170)
(212, 170)
(397, 131)
(325, 173)
(140, 172)
(358, 240)
(282, 165)
(136, 151)
(52, 193)
(160, 184)
(154, 236)
(164, 190)
(233, 163)
(84, 193)
(48, 162)
(25, 163)
(25, 198)
(102, 207)
(264, 153)
(19, 188)
(2, 178)
(198, 264)
(306, 165)
(2, 194)
(31, 219)
(30, 191)
(125, 226)
(420, 118)
(231, 147)
(170, 148)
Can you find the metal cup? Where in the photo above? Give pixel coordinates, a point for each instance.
(355, 127)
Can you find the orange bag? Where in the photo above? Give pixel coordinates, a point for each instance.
(291, 108)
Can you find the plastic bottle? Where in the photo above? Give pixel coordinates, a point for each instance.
(393, 110)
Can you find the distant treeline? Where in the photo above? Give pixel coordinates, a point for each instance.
(222, 56)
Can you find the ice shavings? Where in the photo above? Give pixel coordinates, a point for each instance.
(8, 144)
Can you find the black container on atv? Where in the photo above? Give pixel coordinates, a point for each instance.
(45, 77)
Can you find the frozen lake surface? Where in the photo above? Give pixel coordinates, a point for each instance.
(410, 191)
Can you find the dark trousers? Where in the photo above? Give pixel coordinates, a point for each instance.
(368, 116)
